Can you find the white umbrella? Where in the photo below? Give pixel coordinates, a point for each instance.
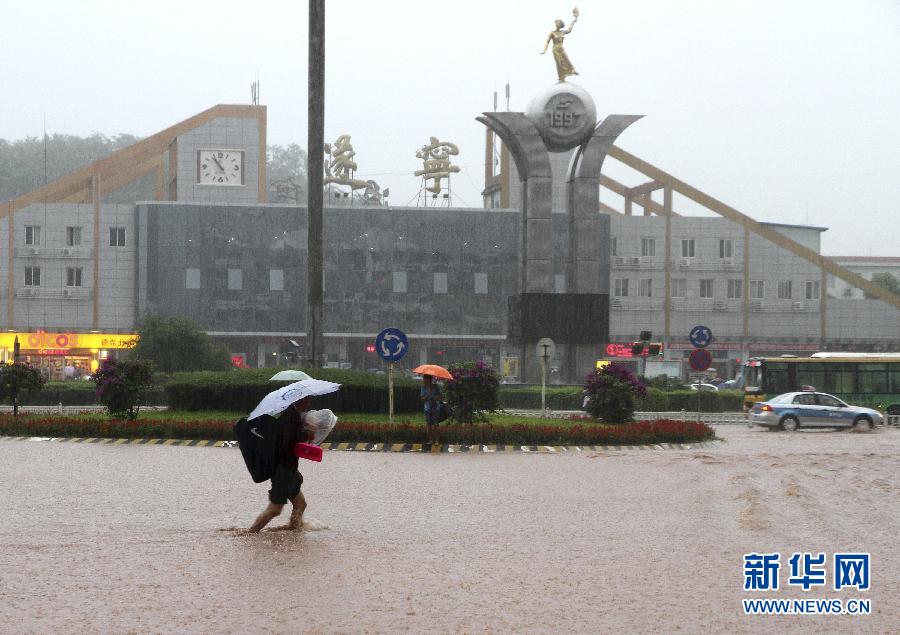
(278, 401)
(289, 375)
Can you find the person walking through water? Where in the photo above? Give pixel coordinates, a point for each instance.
(430, 396)
(564, 67)
(286, 478)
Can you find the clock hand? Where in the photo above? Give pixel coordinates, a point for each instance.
(219, 164)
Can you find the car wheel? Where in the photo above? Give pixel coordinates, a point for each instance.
(791, 424)
(862, 423)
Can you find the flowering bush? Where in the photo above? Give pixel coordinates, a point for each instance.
(122, 386)
(19, 381)
(473, 392)
(611, 392)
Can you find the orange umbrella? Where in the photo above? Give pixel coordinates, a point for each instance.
(434, 370)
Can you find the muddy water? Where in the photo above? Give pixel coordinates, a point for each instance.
(130, 538)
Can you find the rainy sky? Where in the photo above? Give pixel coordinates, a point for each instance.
(787, 110)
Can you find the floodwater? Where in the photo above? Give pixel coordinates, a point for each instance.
(101, 538)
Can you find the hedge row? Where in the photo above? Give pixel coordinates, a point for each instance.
(241, 390)
(642, 432)
(571, 398)
(81, 393)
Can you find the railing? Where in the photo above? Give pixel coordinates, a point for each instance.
(712, 418)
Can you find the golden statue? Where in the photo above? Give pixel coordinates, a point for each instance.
(564, 67)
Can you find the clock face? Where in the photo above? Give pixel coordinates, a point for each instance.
(220, 167)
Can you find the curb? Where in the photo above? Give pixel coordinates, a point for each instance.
(427, 448)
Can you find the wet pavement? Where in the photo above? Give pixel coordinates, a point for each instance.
(103, 538)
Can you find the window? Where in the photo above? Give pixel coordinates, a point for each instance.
(873, 378)
(116, 236)
(73, 236)
(726, 248)
(687, 248)
(614, 246)
(621, 287)
(757, 289)
(735, 288)
(481, 283)
(440, 282)
(192, 279)
(645, 288)
(235, 280)
(648, 246)
(706, 288)
(276, 279)
(559, 283)
(812, 289)
(679, 287)
(32, 276)
(847, 292)
(32, 235)
(784, 289)
(73, 277)
(399, 282)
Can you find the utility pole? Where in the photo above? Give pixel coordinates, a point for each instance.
(315, 144)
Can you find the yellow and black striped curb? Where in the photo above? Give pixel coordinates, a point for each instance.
(393, 447)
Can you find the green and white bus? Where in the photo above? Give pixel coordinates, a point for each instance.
(865, 379)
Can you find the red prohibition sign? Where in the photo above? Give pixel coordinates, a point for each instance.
(700, 359)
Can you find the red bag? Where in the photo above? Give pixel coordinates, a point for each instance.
(308, 451)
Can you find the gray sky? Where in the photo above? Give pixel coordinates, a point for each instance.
(788, 110)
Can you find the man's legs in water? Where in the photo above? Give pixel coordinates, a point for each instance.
(271, 511)
(296, 521)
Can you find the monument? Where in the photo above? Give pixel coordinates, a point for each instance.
(561, 118)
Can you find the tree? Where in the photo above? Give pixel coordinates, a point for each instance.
(611, 393)
(121, 386)
(286, 174)
(178, 344)
(18, 381)
(23, 167)
(887, 281)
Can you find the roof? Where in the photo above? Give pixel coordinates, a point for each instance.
(867, 259)
(813, 227)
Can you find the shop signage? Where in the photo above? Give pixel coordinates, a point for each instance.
(623, 350)
(45, 341)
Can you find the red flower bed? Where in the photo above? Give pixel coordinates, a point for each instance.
(638, 433)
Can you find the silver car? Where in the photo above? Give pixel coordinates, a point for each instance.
(794, 410)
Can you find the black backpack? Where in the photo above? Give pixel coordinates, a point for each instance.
(257, 440)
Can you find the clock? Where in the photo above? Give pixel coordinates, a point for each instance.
(220, 167)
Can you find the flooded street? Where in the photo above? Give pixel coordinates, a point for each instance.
(102, 538)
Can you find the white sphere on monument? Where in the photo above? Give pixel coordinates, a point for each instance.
(564, 114)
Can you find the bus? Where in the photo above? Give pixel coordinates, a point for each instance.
(865, 379)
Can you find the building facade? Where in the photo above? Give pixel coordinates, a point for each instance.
(81, 273)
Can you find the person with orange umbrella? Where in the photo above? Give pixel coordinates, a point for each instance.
(430, 395)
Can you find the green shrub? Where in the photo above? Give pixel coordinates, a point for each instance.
(19, 381)
(656, 401)
(122, 386)
(473, 391)
(612, 392)
(529, 397)
(82, 393)
(242, 389)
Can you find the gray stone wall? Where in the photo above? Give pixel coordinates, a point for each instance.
(426, 270)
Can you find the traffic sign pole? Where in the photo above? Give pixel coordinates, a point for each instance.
(391, 392)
